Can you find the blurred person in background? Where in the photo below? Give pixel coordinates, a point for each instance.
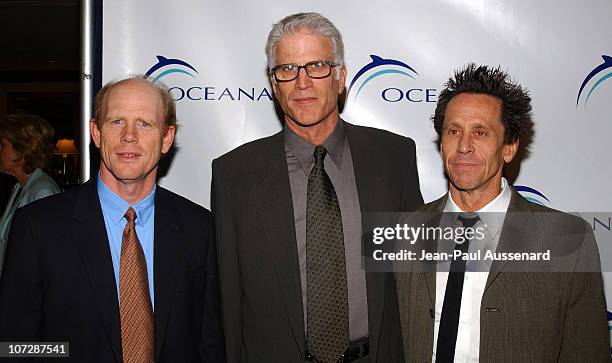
(26, 145)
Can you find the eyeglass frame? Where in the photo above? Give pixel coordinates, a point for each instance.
(299, 68)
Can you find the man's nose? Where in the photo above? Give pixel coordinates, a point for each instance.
(303, 81)
(465, 143)
(129, 133)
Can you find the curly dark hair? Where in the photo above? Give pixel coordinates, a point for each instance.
(32, 139)
(516, 103)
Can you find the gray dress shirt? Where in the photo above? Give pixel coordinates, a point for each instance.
(339, 166)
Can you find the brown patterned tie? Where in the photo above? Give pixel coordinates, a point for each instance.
(137, 334)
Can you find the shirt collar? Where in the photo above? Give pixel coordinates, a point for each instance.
(32, 178)
(303, 150)
(490, 213)
(115, 207)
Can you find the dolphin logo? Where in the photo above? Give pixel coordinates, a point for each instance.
(525, 191)
(163, 62)
(378, 62)
(607, 63)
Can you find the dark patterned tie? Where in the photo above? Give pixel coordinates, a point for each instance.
(449, 321)
(327, 296)
(137, 334)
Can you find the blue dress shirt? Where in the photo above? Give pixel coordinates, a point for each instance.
(113, 209)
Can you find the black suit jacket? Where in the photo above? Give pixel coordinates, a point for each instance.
(58, 282)
(256, 243)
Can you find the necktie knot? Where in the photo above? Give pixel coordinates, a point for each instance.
(319, 154)
(130, 215)
(468, 219)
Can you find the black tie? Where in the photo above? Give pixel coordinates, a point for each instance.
(327, 296)
(449, 321)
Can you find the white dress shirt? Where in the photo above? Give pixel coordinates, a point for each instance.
(468, 333)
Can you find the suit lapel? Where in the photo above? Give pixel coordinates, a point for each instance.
(272, 198)
(512, 237)
(13, 202)
(167, 242)
(436, 208)
(91, 242)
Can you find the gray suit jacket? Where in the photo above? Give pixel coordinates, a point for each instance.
(524, 316)
(257, 248)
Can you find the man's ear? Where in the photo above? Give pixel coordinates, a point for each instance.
(168, 138)
(342, 80)
(274, 84)
(510, 151)
(95, 132)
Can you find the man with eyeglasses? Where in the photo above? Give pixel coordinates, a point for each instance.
(288, 211)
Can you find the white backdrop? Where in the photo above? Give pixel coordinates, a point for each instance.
(216, 68)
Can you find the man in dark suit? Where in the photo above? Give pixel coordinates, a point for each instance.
(288, 210)
(122, 269)
(542, 310)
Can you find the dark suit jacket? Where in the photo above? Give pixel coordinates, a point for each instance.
(525, 316)
(58, 282)
(258, 259)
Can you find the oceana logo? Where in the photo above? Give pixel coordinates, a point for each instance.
(532, 195)
(191, 89)
(165, 66)
(594, 79)
(384, 67)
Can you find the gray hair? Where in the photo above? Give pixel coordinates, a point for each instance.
(314, 22)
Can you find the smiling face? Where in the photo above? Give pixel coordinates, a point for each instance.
(132, 135)
(473, 146)
(308, 102)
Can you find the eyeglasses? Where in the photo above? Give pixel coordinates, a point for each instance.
(289, 72)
